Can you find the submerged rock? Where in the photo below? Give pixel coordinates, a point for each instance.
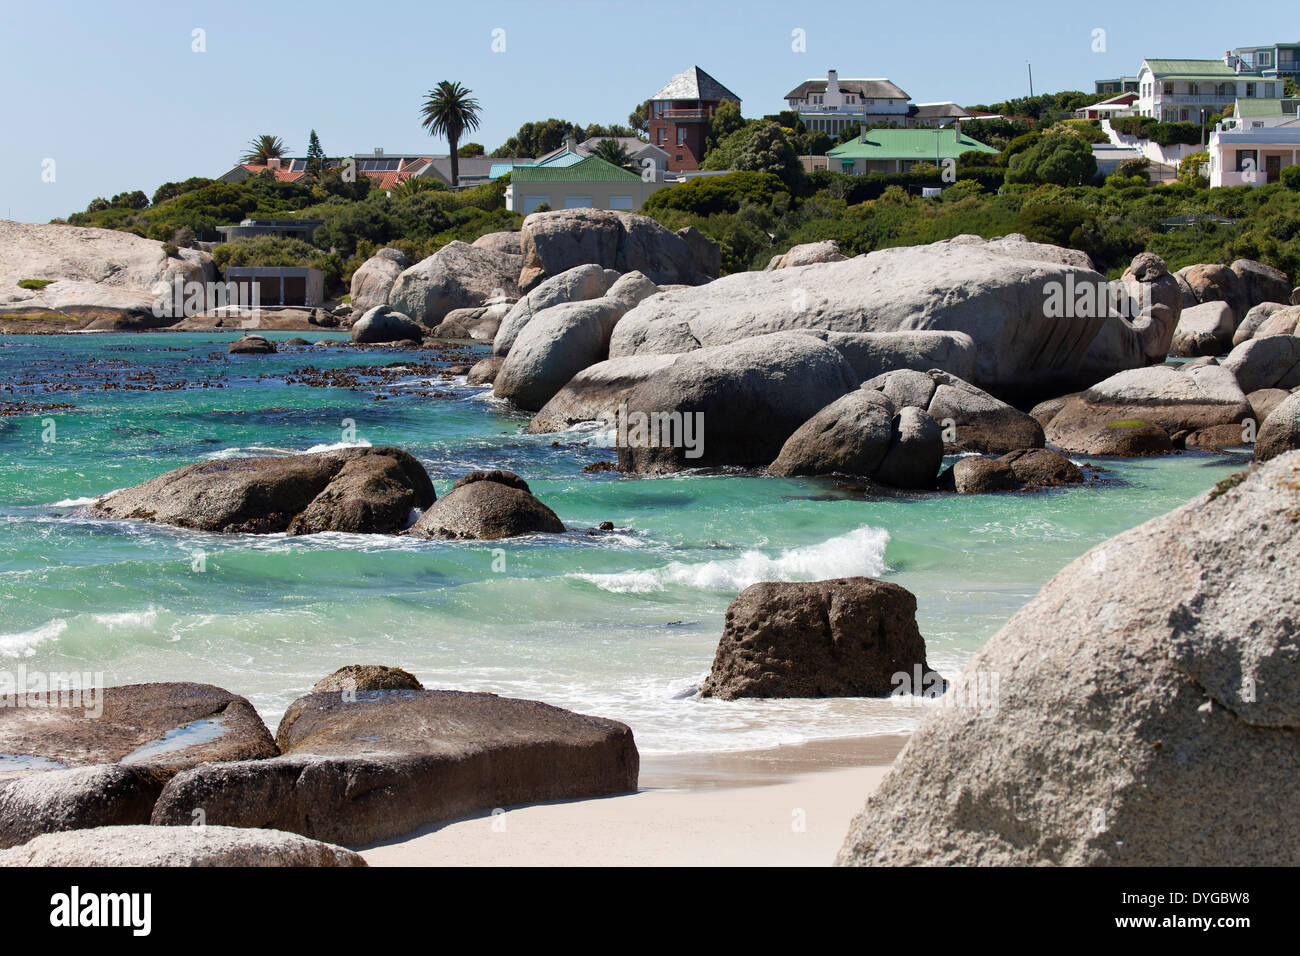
(1125, 718)
(177, 846)
(387, 762)
(359, 490)
(845, 637)
(251, 345)
(484, 371)
(487, 505)
(356, 677)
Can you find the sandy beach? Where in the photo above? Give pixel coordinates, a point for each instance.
(788, 806)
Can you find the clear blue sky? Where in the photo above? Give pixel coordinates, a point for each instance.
(114, 94)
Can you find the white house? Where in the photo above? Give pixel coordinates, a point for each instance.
(833, 105)
(1252, 147)
(1180, 91)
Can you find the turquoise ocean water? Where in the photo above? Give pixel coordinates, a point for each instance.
(623, 625)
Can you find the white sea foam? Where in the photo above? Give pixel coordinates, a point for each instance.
(81, 502)
(861, 551)
(244, 452)
(336, 446)
(23, 644)
(127, 619)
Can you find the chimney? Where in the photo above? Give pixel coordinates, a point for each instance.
(379, 150)
(273, 162)
(832, 82)
(571, 143)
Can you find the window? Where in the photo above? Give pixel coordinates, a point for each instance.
(1169, 89)
(621, 202)
(1194, 89)
(1247, 160)
(1265, 58)
(1250, 89)
(577, 202)
(663, 136)
(681, 136)
(531, 202)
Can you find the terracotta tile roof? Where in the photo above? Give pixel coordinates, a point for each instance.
(282, 175)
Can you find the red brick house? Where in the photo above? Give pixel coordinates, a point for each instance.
(679, 116)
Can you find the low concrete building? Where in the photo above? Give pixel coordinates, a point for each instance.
(277, 285)
(590, 183)
(302, 229)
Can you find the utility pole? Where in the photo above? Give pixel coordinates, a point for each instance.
(1031, 78)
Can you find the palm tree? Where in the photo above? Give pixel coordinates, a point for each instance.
(450, 111)
(261, 148)
(612, 151)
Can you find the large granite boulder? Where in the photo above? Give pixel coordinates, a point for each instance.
(374, 280)
(1280, 432)
(1204, 329)
(1253, 320)
(732, 404)
(1211, 282)
(1148, 301)
(507, 242)
(915, 451)
(975, 475)
(177, 846)
(1284, 320)
(1265, 362)
(484, 371)
(487, 506)
(1178, 402)
(828, 250)
(1021, 314)
(359, 490)
(1264, 400)
(875, 353)
(480, 323)
(94, 274)
(845, 637)
(588, 281)
(100, 756)
(1017, 246)
(553, 242)
(595, 393)
(1028, 467)
(385, 324)
(167, 726)
(373, 765)
(1123, 717)
(1257, 282)
(49, 801)
(457, 276)
(972, 419)
(850, 436)
(563, 340)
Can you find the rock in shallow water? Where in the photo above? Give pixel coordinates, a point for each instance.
(488, 506)
(359, 490)
(844, 637)
(1135, 718)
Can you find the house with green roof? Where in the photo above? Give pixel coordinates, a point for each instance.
(898, 150)
(1186, 91)
(1254, 145)
(591, 183)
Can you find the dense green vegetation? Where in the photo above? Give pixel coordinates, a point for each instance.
(1043, 183)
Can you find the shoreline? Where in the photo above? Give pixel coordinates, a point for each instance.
(783, 806)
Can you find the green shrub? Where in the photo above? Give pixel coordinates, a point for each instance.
(35, 285)
(1290, 178)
